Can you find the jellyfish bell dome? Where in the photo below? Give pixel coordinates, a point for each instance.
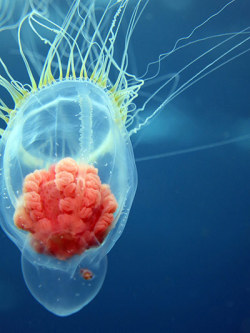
(66, 124)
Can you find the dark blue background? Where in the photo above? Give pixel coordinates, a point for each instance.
(182, 263)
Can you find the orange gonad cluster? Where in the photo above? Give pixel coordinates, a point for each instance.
(66, 209)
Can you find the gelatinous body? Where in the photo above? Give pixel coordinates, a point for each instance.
(67, 214)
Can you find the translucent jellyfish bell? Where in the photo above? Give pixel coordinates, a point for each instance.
(69, 118)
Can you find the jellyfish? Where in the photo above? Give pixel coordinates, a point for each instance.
(68, 173)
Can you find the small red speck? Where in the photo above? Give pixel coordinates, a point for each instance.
(86, 274)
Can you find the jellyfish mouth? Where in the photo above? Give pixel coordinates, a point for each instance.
(66, 209)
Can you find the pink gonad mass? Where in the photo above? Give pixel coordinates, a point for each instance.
(66, 209)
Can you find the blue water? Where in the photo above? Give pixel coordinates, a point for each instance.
(182, 263)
